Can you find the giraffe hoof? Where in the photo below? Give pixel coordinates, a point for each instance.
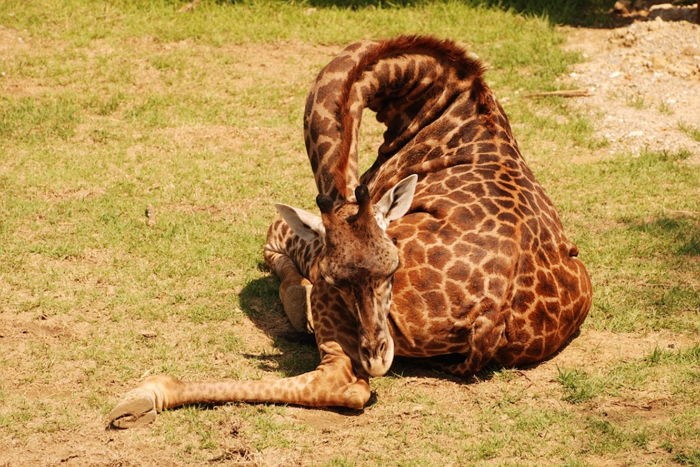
(356, 396)
(137, 409)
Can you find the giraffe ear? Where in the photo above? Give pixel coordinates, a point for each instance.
(306, 225)
(396, 202)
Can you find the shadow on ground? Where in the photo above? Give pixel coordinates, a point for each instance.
(297, 351)
(681, 233)
(589, 13)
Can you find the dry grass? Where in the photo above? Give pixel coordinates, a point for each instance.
(109, 110)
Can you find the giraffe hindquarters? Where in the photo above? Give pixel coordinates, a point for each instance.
(547, 324)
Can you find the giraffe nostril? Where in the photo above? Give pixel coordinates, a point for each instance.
(381, 350)
(364, 352)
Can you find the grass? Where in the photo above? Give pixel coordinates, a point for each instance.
(660, 374)
(110, 109)
(665, 108)
(690, 130)
(649, 240)
(636, 101)
(579, 386)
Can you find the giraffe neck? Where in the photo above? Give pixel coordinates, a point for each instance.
(408, 81)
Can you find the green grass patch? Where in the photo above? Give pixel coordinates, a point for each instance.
(37, 120)
(636, 102)
(650, 233)
(577, 385)
(677, 368)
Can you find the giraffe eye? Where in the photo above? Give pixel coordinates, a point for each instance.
(396, 268)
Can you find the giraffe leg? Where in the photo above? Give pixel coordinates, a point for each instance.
(295, 289)
(141, 405)
(485, 341)
(294, 292)
(334, 383)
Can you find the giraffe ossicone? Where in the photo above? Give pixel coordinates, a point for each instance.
(358, 259)
(446, 245)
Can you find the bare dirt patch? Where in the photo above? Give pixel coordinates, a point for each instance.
(644, 81)
(418, 398)
(11, 40)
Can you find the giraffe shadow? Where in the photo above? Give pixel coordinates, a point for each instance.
(430, 368)
(297, 351)
(591, 13)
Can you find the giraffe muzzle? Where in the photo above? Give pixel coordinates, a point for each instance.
(376, 357)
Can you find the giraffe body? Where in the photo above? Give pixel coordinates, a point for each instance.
(446, 246)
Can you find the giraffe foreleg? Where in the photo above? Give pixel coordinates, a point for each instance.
(294, 292)
(332, 384)
(141, 405)
(284, 253)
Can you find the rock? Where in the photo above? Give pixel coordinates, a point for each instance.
(150, 216)
(658, 61)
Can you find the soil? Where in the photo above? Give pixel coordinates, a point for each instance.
(644, 84)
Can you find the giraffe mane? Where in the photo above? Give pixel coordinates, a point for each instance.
(445, 50)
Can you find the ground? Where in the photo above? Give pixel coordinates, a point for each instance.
(620, 393)
(643, 83)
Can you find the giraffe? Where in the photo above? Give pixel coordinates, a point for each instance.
(446, 246)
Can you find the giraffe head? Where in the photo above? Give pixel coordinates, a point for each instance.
(359, 259)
